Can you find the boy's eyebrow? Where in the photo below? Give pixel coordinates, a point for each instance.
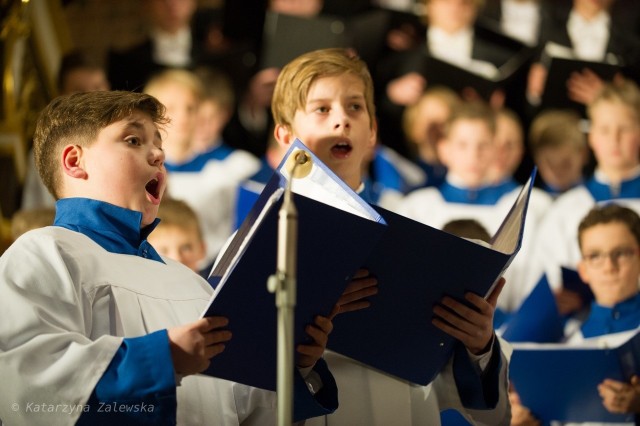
(138, 125)
(324, 99)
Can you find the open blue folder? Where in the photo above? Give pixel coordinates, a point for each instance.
(537, 319)
(416, 265)
(335, 236)
(559, 381)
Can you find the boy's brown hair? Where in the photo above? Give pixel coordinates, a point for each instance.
(177, 213)
(624, 92)
(444, 94)
(609, 213)
(77, 119)
(554, 128)
(472, 111)
(295, 79)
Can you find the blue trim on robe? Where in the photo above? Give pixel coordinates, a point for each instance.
(477, 392)
(136, 380)
(371, 192)
(264, 173)
(386, 173)
(115, 229)
(247, 196)
(602, 191)
(324, 402)
(485, 196)
(603, 320)
(197, 163)
(436, 173)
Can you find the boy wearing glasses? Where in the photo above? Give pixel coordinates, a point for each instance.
(609, 240)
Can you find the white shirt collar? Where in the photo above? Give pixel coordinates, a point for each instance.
(589, 37)
(172, 50)
(520, 19)
(455, 48)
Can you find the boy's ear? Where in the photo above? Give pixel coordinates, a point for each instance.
(283, 135)
(583, 271)
(72, 162)
(374, 133)
(442, 149)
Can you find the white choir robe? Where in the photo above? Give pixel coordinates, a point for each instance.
(368, 397)
(211, 193)
(66, 305)
(556, 241)
(428, 206)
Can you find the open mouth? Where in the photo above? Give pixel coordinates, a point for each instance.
(341, 149)
(153, 189)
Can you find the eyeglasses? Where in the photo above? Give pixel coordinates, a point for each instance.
(619, 256)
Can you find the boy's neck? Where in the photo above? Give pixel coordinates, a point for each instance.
(615, 177)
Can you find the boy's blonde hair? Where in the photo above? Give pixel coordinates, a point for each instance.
(555, 128)
(184, 78)
(217, 87)
(77, 119)
(177, 213)
(471, 111)
(295, 79)
(444, 94)
(27, 219)
(625, 92)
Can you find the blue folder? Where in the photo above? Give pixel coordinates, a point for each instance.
(416, 265)
(571, 281)
(537, 320)
(559, 381)
(332, 244)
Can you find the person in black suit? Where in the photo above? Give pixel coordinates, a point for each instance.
(453, 36)
(590, 31)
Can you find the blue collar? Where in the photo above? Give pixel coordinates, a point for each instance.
(603, 191)
(114, 228)
(371, 191)
(606, 320)
(485, 196)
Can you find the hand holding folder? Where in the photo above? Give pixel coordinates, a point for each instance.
(416, 266)
(574, 373)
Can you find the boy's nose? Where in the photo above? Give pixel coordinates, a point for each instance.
(342, 121)
(157, 157)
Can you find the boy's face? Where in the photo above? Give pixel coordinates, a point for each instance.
(182, 109)
(615, 136)
(561, 167)
(211, 119)
(611, 262)
(179, 243)
(430, 118)
(335, 125)
(468, 151)
(85, 80)
(124, 166)
(509, 148)
(452, 15)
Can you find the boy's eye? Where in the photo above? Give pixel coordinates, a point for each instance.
(134, 141)
(356, 107)
(322, 109)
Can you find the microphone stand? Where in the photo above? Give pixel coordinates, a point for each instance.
(283, 284)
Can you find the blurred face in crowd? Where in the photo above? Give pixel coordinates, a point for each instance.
(561, 167)
(452, 15)
(468, 151)
(303, 8)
